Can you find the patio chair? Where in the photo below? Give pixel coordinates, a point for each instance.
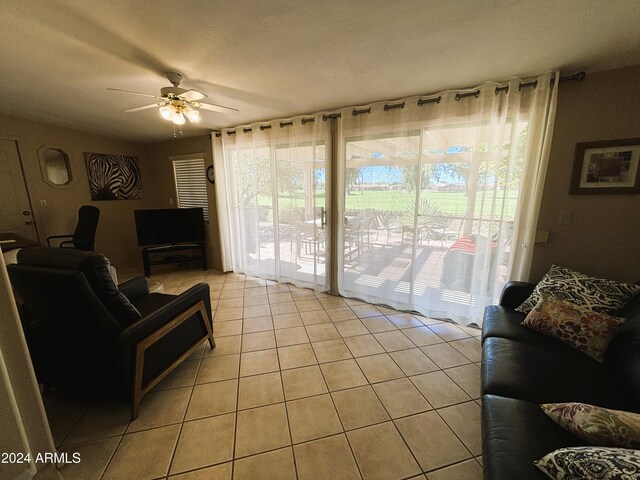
(389, 222)
(368, 226)
(310, 238)
(445, 231)
(353, 238)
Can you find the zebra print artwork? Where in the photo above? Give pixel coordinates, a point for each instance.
(113, 177)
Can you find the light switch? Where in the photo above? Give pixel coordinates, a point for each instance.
(566, 217)
(541, 238)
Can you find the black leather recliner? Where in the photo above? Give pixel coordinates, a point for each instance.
(83, 331)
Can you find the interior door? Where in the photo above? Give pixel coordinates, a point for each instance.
(15, 209)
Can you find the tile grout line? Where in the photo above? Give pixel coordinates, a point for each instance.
(286, 412)
(235, 416)
(113, 454)
(434, 409)
(455, 433)
(344, 431)
(186, 410)
(75, 424)
(184, 415)
(457, 383)
(392, 420)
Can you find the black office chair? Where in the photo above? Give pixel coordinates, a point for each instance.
(85, 332)
(84, 236)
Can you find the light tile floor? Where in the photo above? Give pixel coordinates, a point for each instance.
(302, 385)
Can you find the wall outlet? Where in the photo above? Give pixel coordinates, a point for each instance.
(43, 203)
(170, 200)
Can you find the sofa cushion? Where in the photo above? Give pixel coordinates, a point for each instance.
(514, 434)
(599, 295)
(591, 463)
(506, 323)
(579, 327)
(597, 425)
(95, 268)
(622, 360)
(631, 310)
(546, 373)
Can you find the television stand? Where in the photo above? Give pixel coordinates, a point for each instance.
(164, 254)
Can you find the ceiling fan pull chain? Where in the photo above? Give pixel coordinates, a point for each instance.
(179, 132)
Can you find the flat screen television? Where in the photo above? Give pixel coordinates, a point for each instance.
(169, 225)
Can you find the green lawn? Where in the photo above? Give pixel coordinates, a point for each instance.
(449, 203)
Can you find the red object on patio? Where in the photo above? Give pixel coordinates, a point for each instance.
(458, 263)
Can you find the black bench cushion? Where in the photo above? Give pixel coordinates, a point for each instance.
(505, 323)
(548, 373)
(622, 359)
(514, 434)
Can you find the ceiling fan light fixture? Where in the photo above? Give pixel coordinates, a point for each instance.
(166, 112)
(191, 114)
(176, 104)
(177, 118)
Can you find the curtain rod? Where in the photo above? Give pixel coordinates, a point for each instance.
(393, 105)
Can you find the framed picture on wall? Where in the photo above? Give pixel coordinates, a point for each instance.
(113, 177)
(607, 166)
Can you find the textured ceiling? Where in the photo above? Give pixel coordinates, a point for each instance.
(277, 58)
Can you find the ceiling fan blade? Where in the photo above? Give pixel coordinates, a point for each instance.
(135, 93)
(144, 107)
(214, 108)
(192, 95)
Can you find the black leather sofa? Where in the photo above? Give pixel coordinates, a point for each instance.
(522, 368)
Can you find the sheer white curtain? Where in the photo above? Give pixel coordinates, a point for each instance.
(276, 182)
(440, 200)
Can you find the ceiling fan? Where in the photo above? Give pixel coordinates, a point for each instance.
(176, 103)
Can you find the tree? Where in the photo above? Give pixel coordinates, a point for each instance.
(253, 174)
(410, 175)
(353, 176)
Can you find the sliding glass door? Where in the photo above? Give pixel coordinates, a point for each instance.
(428, 219)
(301, 212)
(382, 187)
(428, 204)
(279, 203)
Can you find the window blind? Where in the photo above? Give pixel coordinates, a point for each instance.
(191, 184)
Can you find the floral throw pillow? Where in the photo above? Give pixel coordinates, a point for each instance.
(597, 425)
(591, 463)
(585, 330)
(599, 295)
